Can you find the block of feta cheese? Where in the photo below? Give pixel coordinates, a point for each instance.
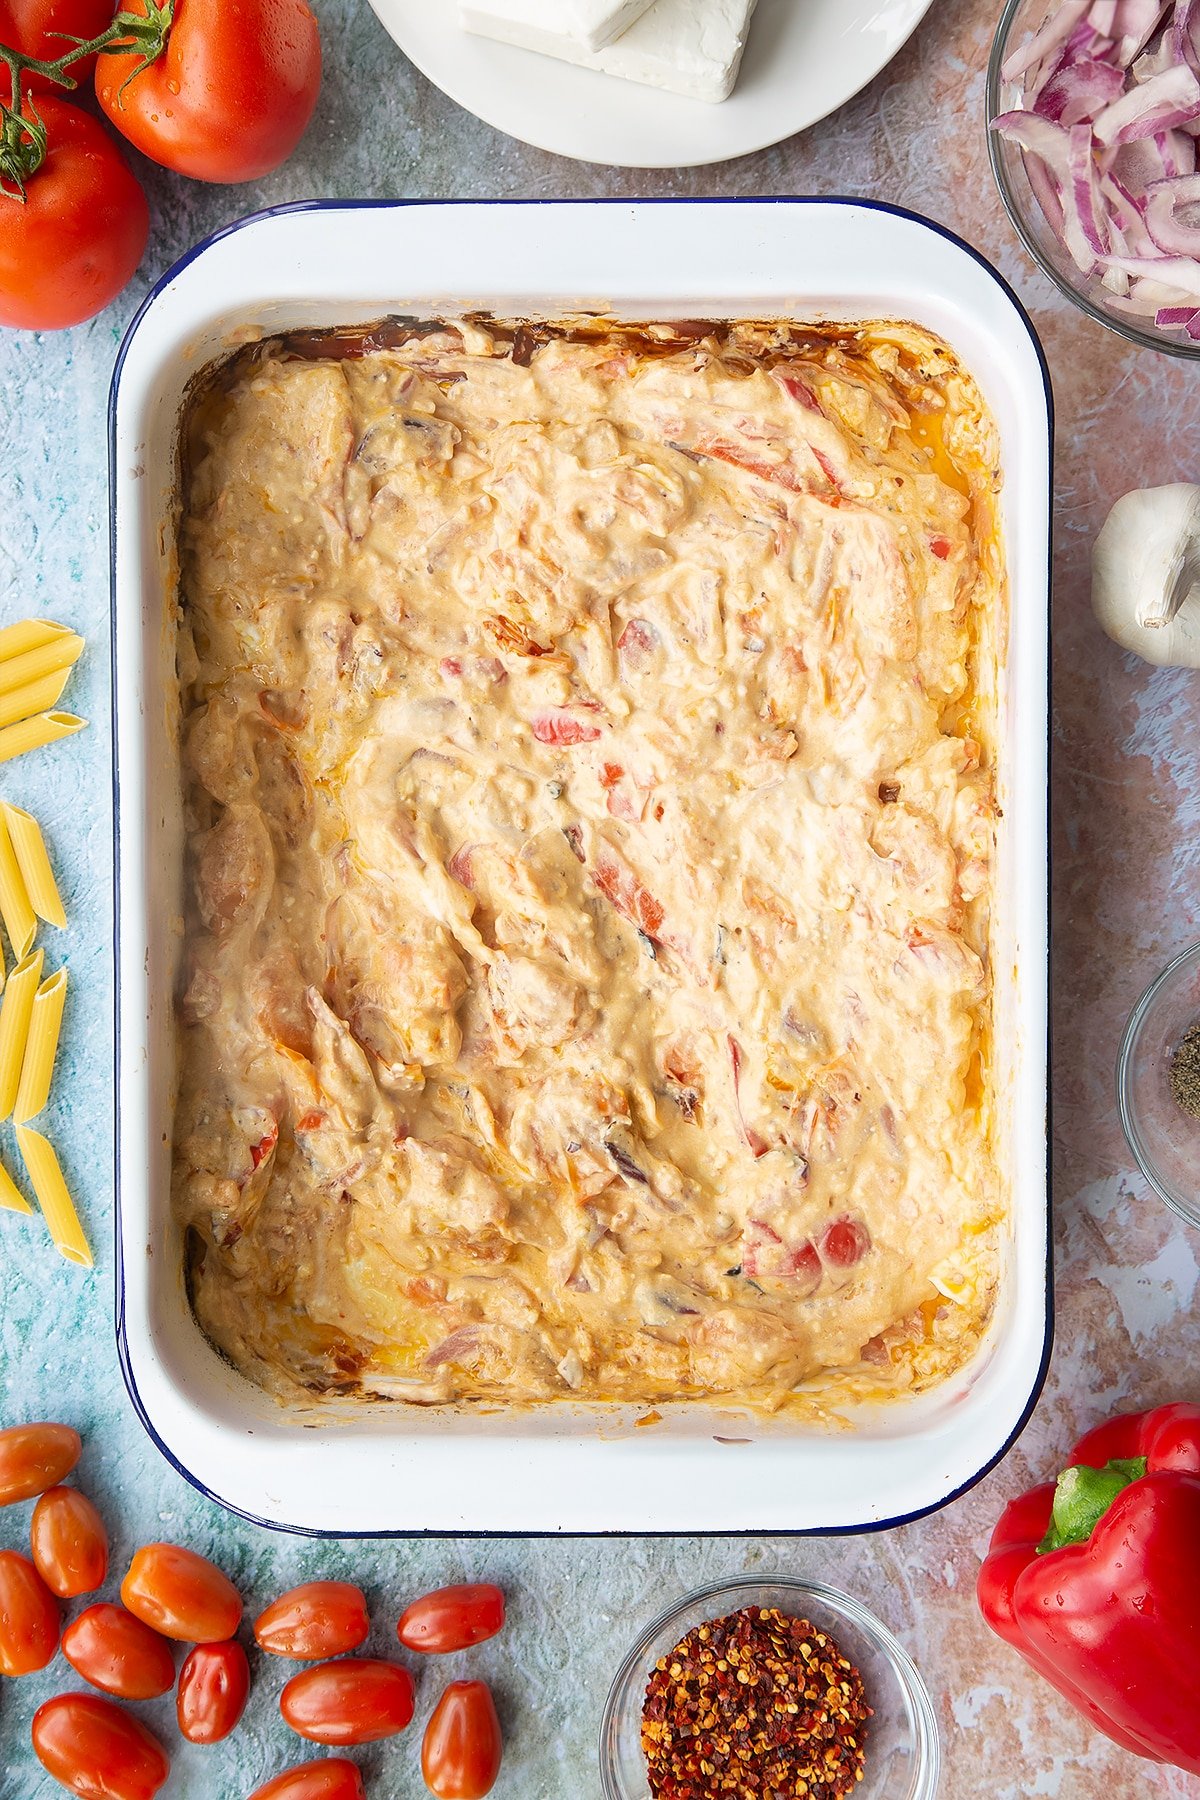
(691, 47)
(547, 25)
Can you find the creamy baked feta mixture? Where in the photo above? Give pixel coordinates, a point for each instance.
(588, 748)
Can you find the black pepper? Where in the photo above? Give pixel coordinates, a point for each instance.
(1185, 1072)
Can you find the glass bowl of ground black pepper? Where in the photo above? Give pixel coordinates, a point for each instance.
(768, 1687)
(1158, 1084)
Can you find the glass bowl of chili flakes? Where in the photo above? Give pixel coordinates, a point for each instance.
(695, 1677)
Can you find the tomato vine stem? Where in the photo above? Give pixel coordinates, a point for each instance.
(23, 136)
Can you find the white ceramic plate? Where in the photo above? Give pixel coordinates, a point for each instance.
(704, 1467)
(804, 59)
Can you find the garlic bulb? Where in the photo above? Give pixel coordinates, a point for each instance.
(1146, 574)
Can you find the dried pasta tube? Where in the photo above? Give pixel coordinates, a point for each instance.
(30, 848)
(58, 1209)
(16, 1010)
(20, 922)
(35, 697)
(30, 634)
(41, 1047)
(11, 1197)
(31, 734)
(60, 653)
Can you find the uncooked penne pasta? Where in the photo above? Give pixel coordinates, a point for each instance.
(30, 634)
(16, 1009)
(31, 665)
(35, 697)
(41, 1047)
(58, 1209)
(34, 864)
(11, 1197)
(20, 921)
(30, 734)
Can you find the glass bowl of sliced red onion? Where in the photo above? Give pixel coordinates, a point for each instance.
(1094, 115)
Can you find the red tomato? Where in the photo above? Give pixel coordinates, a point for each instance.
(182, 1595)
(462, 1748)
(227, 100)
(35, 28)
(333, 1778)
(214, 1685)
(118, 1654)
(69, 1543)
(354, 1701)
(28, 1617)
(33, 1457)
(320, 1618)
(64, 254)
(98, 1751)
(452, 1618)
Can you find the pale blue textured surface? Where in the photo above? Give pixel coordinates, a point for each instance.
(915, 137)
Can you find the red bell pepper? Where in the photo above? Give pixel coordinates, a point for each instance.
(1095, 1579)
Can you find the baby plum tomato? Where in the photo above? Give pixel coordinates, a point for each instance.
(65, 252)
(69, 1543)
(181, 1594)
(230, 96)
(34, 1457)
(42, 28)
(214, 1685)
(452, 1618)
(462, 1749)
(118, 1654)
(29, 1621)
(333, 1778)
(318, 1619)
(98, 1751)
(355, 1701)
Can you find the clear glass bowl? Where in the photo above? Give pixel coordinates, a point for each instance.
(1019, 19)
(903, 1752)
(1164, 1139)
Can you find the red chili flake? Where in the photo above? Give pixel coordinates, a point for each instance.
(756, 1706)
(941, 547)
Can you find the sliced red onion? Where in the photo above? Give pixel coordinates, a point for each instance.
(1184, 35)
(1049, 37)
(1134, 24)
(1085, 191)
(1108, 124)
(1179, 273)
(1078, 91)
(1178, 152)
(1160, 104)
(1167, 204)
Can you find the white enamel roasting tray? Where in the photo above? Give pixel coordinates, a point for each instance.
(563, 1468)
